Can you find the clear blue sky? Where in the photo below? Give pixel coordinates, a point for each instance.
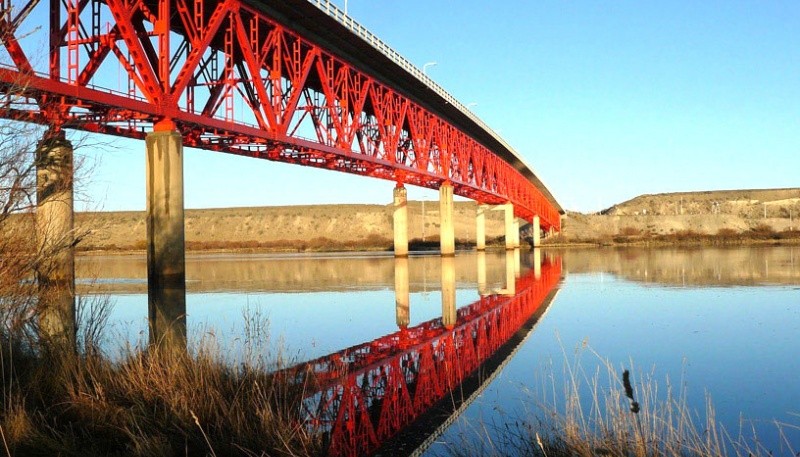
(607, 100)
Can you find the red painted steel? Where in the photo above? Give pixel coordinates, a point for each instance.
(187, 63)
(366, 394)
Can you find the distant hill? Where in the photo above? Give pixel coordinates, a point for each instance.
(705, 212)
(749, 203)
(310, 227)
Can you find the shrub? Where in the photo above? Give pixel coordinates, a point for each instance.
(727, 233)
(630, 231)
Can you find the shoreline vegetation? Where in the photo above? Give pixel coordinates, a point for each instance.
(593, 408)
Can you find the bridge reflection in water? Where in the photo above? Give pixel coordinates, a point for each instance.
(394, 391)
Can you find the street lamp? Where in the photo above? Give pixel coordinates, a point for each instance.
(425, 67)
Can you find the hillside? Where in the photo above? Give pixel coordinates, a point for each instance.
(734, 211)
(751, 204)
(736, 214)
(312, 227)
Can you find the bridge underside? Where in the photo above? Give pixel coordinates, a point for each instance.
(230, 78)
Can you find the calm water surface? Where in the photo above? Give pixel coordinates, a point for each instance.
(725, 321)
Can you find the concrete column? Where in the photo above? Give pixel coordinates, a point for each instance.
(54, 239)
(480, 228)
(166, 270)
(401, 292)
(447, 228)
(515, 232)
(509, 225)
(481, 273)
(537, 232)
(517, 264)
(537, 263)
(400, 221)
(449, 315)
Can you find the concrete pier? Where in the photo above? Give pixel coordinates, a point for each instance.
(480, 227)
(517, 264)
(400, 221)
(536, 232)
(401, 293)
(449, 315)
(166, 269)
(55, 239)
(515, 232)
(509, 226)
(482, 273)
(537, 263)
(446, 227)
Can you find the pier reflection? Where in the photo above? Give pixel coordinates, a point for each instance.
(381, 394)
(448, 292)
(401, 292)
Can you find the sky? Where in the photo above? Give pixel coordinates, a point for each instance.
(606, 100)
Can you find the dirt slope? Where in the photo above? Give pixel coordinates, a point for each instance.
(700, 212)
(743, 203)
(343, 223)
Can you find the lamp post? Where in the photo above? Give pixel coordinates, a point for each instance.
(425, 67)
(345, 7)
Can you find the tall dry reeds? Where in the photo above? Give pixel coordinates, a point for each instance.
(608, 411)
(194, 402)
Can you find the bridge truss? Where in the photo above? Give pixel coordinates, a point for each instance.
(230, 78)
(366, 394)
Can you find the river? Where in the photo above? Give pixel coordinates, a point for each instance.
(722, 322)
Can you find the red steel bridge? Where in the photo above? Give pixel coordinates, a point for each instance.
(294, 81)
(364, 396)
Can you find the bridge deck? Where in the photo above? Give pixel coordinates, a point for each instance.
(324, 22)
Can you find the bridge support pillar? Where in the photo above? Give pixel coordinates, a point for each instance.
(400, 221)
(537, 232)
(166, 268)
(449, 315)
(55, 239)
(480, 228)
(401, 292)
(537, 263)
(446, 226)
(512, 227)
(481, 273)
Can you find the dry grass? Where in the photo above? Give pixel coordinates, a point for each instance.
(609, 412)
(58, 402)
(65, 397)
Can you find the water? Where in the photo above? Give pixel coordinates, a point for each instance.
(725, 321)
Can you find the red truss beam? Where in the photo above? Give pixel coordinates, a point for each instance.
(188, 63)
(364, 395)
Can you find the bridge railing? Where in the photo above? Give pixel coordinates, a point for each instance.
(362, 32)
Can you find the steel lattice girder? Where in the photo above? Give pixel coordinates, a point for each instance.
(187, 60)
(364, 395)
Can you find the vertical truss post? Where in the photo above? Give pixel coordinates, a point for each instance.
(73, 35)
(55, 39)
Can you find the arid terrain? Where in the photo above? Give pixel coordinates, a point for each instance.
(730, 216)
(727, 213)
(312, 227)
